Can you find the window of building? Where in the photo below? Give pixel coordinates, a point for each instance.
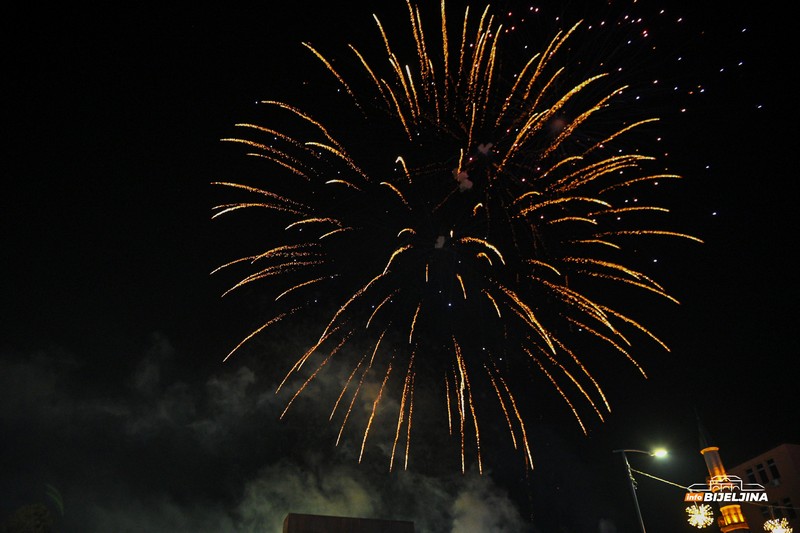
(751, 477)
(773, 469)
(762, 473)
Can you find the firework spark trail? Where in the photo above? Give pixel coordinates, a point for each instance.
(406, 397)
(408, 425)
(378, 308)
(503, 407)
(559, 389)
(286, 251)
(301, 361)
(413, 323)
(589, 375)
(274, 270)
(473, 204)
(465, 402)
(528, 456)
(283, 204)
(259, 330)
(372, 414)
(314, 374)
(345, 387)
(358, 389)
(299, 286)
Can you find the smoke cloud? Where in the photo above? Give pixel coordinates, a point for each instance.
(163, 454)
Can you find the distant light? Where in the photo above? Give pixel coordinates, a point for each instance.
(660, 452)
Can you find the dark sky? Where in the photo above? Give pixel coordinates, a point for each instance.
(112, 386)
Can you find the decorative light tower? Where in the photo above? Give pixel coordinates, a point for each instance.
(732, 518)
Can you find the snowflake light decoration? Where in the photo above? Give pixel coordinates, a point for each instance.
(701, 516)
(775, 525)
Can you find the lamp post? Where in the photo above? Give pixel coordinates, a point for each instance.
(632, 482)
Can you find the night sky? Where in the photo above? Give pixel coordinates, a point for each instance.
(112, 387)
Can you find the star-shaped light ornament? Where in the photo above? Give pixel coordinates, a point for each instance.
(700, 516)
(775, 525)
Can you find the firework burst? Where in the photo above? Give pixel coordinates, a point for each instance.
(470, 216)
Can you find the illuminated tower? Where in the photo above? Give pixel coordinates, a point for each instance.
(732, 518)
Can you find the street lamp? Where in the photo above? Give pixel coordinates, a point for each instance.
(654, 453)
